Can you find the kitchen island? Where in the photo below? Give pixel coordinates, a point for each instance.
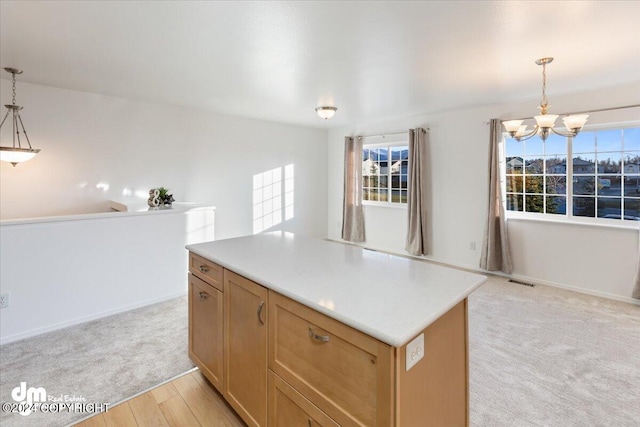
(300, 331)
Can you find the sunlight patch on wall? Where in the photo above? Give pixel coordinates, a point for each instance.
(268, 201)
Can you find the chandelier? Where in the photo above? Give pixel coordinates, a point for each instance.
(16, 153)
(545, 122)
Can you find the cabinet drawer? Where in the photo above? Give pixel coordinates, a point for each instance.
(288, 408)
(344, 372)
(206, 270)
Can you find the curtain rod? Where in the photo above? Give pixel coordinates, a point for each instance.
(585, 112)
(387, 134)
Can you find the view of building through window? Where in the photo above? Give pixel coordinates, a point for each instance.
(384, 174)
(601, 181)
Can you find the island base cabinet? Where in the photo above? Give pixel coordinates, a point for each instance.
(205, 329)
(288, 408)
(245, 348)
(435, 392)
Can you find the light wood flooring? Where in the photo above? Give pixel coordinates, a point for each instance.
(189, 400)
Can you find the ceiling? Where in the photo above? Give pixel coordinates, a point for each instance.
(279, 60)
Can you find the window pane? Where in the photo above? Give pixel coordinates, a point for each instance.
(609, 162)
(514, 184)
(555, 144)
(395, 181)
(534, 147)
(382, 195)
(533, 165)
(403, 181)
(631, 139)
(632, 185)
(556, 184)
(534, 203)
(556, 164)
(396, 167)
(365, 194)
(556, 205)
(609, 185)
(584, 206)
(584, 142)
(631, 209)
(534, 184)
(632, 162)
(404, 196)
(584, 163)
(585, 185)
(384, 181)
(399, 153)
(609, 207)
(514, 202)
(365, 154)
(609, 140)
(365, 181)
(395, 196)
(514, 165)
(513, 148)
(373, 194)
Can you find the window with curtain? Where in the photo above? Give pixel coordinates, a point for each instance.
(385, 174)
(593, 177)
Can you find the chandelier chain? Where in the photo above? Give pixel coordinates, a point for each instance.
(13, 79)
(545, 101)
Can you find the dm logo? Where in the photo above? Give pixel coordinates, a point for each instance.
(28, 396)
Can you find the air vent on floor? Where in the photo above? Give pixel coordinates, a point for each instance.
(518, 282)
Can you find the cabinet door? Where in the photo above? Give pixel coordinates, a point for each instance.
(288, 408)
(205, 329)
(245, 337)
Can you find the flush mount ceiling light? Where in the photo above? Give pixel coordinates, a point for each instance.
(16, 153)
(544, 121)
(326, 112)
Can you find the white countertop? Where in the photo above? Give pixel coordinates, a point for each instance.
(388, 297)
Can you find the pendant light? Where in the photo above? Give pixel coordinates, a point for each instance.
(16, 153)
(545, 122)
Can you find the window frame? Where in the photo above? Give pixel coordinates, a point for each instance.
(389, 145)
(569, 217)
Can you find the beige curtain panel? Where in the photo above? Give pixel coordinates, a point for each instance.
(636, 288)
(496, 254)
(352, 212)
(416, 243)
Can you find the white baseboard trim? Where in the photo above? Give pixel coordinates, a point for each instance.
(50, 328)
(501, 274)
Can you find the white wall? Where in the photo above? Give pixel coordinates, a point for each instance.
(62, 273)
(593, 259)
(88, 139)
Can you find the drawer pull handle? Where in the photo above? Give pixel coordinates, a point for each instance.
(260, 312)
(309, 422)
(203, 268)
(316, 337)
(203, 295)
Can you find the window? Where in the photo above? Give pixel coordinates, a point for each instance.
(384, 174)
(602, 179)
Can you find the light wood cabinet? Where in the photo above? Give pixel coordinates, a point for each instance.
(288, 408)
(344, 372)
(280, 363)
(205, 329)
(245, 348)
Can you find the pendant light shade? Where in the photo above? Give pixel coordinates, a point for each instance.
(16, 153)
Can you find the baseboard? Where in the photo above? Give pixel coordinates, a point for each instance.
(501, 274)
(56, 326)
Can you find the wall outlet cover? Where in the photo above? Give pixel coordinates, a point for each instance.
(415, 351)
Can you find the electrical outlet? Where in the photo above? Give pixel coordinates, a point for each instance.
(4, 300)
(415, 351)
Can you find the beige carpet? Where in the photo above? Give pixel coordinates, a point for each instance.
(106, 360)
(548, 357)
